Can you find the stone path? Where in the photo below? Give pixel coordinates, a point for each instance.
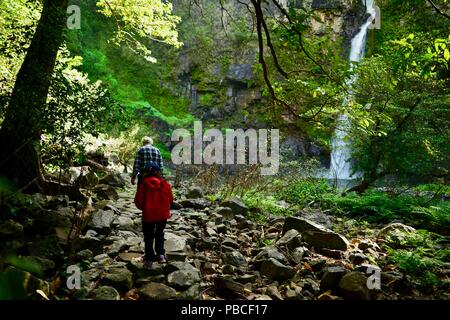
(214, 252)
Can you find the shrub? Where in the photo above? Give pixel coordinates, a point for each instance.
(304, 192)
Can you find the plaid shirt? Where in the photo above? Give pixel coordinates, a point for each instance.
(145, 154)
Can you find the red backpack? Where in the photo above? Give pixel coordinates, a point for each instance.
(154, 197)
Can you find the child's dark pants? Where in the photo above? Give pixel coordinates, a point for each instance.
(153, 231)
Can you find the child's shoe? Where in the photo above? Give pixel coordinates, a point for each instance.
(162, 258)
(148, 265)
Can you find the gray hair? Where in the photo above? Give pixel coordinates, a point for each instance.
(147, 140)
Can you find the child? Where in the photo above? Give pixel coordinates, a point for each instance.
(154, 197)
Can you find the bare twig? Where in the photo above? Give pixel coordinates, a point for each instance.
(438, 10)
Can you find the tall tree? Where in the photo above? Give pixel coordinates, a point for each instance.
(136, 21)
(20, 131)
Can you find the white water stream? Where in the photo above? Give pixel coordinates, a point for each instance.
(341, 166)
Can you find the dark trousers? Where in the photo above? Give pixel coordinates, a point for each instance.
(153, 231)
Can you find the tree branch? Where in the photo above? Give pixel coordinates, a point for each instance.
(438, 10)
(269, 42)
(301, 44)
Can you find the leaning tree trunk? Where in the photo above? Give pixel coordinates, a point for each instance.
(21, 129)
(370, 176)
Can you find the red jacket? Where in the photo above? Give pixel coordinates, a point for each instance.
(154, 197)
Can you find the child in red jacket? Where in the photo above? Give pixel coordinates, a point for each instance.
(154, 197)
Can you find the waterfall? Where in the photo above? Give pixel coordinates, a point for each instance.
(341, 166)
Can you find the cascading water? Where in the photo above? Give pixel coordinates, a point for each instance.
(341, 166)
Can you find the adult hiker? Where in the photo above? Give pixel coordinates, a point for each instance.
(147, 153)
(154, 197)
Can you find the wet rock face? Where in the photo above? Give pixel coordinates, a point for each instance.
(326, 4)
(240, 72)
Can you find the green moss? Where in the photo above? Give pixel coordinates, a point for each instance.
(206, 99)
(165, 152)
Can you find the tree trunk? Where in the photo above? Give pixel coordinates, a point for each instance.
(366, 183)
(371, 173)
(22, 127)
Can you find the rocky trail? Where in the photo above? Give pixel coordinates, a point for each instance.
(215, 252)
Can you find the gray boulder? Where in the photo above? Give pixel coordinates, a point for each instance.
(114, 180)
(105, 293)
(176, 256)
(353, 286)
(71, 174)
(195, 193)
(197, 204)
(48, 247)
(235, 258)
(230, 243)
(247, 278)
(273, 292)
(119, 278)
(275, 270)
(183, 278)
(236, 206)
(50, 202)
(357, 257)
(88, 179)
(174, 242)
(246, 224)
(89, 278)
(129, 256)
(101, 220)
(298, 253)
(332, 277)
(228, 269)
(85, 254)
(192, 293)
(270, 252)
(316, 235)
(301, 225)
(124, 223)
(88, 241)
(106, 192)
(157, 291)
(228, 288)
(396, 234)
(225, 212)
(291, 239)
(179, 265)
(11, 228)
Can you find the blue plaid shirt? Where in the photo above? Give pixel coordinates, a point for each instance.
(145, 154)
